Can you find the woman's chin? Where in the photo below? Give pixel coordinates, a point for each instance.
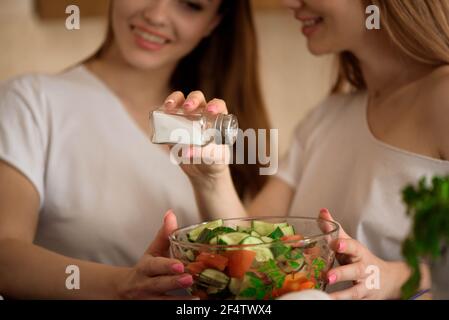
(143, 62)
(318, 50)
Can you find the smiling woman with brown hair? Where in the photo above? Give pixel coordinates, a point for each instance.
(80, 182)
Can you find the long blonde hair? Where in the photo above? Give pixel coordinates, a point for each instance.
(418, 28)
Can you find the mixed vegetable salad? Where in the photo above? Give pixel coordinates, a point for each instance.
(260, 261)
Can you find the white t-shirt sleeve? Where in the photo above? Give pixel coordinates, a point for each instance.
(22, 131)
(291, 165)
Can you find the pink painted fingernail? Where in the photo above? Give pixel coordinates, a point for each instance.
(166, 214)
(188, 104)
(341, 246)
(331, 278)
(178, 268)
(324, 210)
(185, 281)
(212, 108)
(169, 102)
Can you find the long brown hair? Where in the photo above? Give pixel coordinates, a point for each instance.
(419, 29)
(225, 65)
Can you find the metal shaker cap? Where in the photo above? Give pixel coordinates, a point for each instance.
(227, 125)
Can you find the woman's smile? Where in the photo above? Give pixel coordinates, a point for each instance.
(148, 39)
(310, 24)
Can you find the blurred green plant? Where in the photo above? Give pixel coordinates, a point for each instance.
(428, 207)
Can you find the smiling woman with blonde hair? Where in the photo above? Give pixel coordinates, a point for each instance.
(419, 29)
(385, 125)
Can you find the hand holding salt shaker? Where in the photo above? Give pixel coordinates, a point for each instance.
(199, 128)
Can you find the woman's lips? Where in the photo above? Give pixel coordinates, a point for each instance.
(149, 40)
(310, 25)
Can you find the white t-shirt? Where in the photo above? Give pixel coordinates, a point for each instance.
(335, 162)
(103, 186)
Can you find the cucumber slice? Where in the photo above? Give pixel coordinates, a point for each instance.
(281, 225)
(190, 255)
(265, 228)
(244, 229)
(266, 239)
(204, 236)
(263, 253)
(288, 230)
(213, 290)
(234, 286)
(213, 278)
(207, 234)
(251, 240)
(255, 234)
(193, 235)
(220, 230)
(232, 238)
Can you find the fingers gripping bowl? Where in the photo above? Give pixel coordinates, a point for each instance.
(261, 258)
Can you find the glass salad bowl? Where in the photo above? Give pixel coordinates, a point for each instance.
(255, 258)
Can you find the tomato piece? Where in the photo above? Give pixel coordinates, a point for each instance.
(297, 237)
(293, 282)
(240, 262)
(276, 293)
(200, 294)
(196, 268)
(214, 261)
(296, 277)
(307, 285)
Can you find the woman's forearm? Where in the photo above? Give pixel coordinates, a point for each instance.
(28, 271)
(218, 199)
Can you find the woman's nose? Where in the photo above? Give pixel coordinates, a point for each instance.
(156, 12)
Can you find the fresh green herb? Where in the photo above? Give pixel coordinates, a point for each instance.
(294, 264)
(294, 254)
(254, 280)
(257, 289)
(428, 206)
(276, 234)
(318, 265)
(260, 294)
(273, 272)
(249, 292)
(279, 249)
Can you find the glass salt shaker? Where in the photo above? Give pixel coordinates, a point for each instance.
(198, 128)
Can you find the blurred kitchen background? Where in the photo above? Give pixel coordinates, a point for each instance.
(33, 38)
